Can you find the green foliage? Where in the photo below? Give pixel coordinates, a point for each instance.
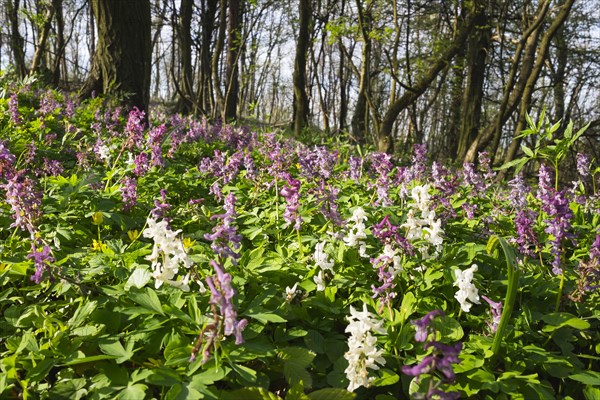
(100, 325)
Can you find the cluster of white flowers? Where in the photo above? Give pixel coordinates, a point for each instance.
(291, 292)
(423, 226)
(467, 294)
(103, 152)
(167, 255)
(362, 353)
(393, 254)
(356, 232)
(323, 263)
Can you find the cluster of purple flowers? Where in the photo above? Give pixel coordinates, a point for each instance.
(439, 360)
(317, 163)
(223, 169)
(161, 207)
(129, 193)
(327, 196)
(155, 139)
(446, 184)
(556, 205)
(356, 168)
(380, 167)
(222, 294)
(41, 259)
(13, 108)
(135, 129)
(291, 193)
(24, 200)
(389, 234)
(224, 236)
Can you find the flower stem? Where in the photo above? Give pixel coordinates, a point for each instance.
(560, 291)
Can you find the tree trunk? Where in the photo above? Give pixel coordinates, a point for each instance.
(207, 21)
(513, 88)
(59, 57)
(185, 101)
(216, 73)
(300, 104)
(122, 60)
(478, 47)
(525, 102)
(17, 43)
(234, 37)
(360, 117)
(384, 135)
(40, 50)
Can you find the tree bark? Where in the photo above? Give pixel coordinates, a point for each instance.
(525, 101)
(122, 60)
(360, 117)
(219, 44)
(384, 135)
(300, 104)
(185, 102)
(477, 49)
(40, 50)
(234, 37)
(17, 43)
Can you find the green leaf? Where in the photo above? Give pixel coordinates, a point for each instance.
(83, 312)
(134, 392)
(246, 373)
(385, 377)
(331, 394)
(90, 359)
(139, 278)
(527, 150)
(587, 377)
(113, 347)
(251, 393)
(590, 393)
(147, 299)
(295, 362)
(266, 317)
(560, 319)
(449, 328)
(407, 308)
(315, 341)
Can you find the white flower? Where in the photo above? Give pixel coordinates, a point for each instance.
(104, 153)
(432, 234)
(421, 197)
(467, 292)
(320, 281)
(168, 253)
(362, 353)
(290, 293)
(357, 230)
(321, 257)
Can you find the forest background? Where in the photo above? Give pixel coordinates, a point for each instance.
(458, 76)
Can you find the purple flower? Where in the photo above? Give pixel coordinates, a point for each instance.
(13, 108)
(41, 259)
(317, 162)
(222, 294)
(583, 164)
(388, 233)
(135, 128)
(496, 313)
(155, 138)
(161, 207)
(291, 194)
(25, 201)
(422, 325)
(472, 178)
(526, 238)
(129, 193)
(356, 165)
(224, 236)
(141, 164)
(7, 159)
(418, 161)
(52, 167)
(441, 360)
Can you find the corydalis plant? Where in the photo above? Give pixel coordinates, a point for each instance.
(224, 236)
(363, 353)
(168, 255)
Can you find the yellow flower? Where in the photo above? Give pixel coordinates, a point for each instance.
(187, 243)
(97, 245)
(97, 218)
(133, 234)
